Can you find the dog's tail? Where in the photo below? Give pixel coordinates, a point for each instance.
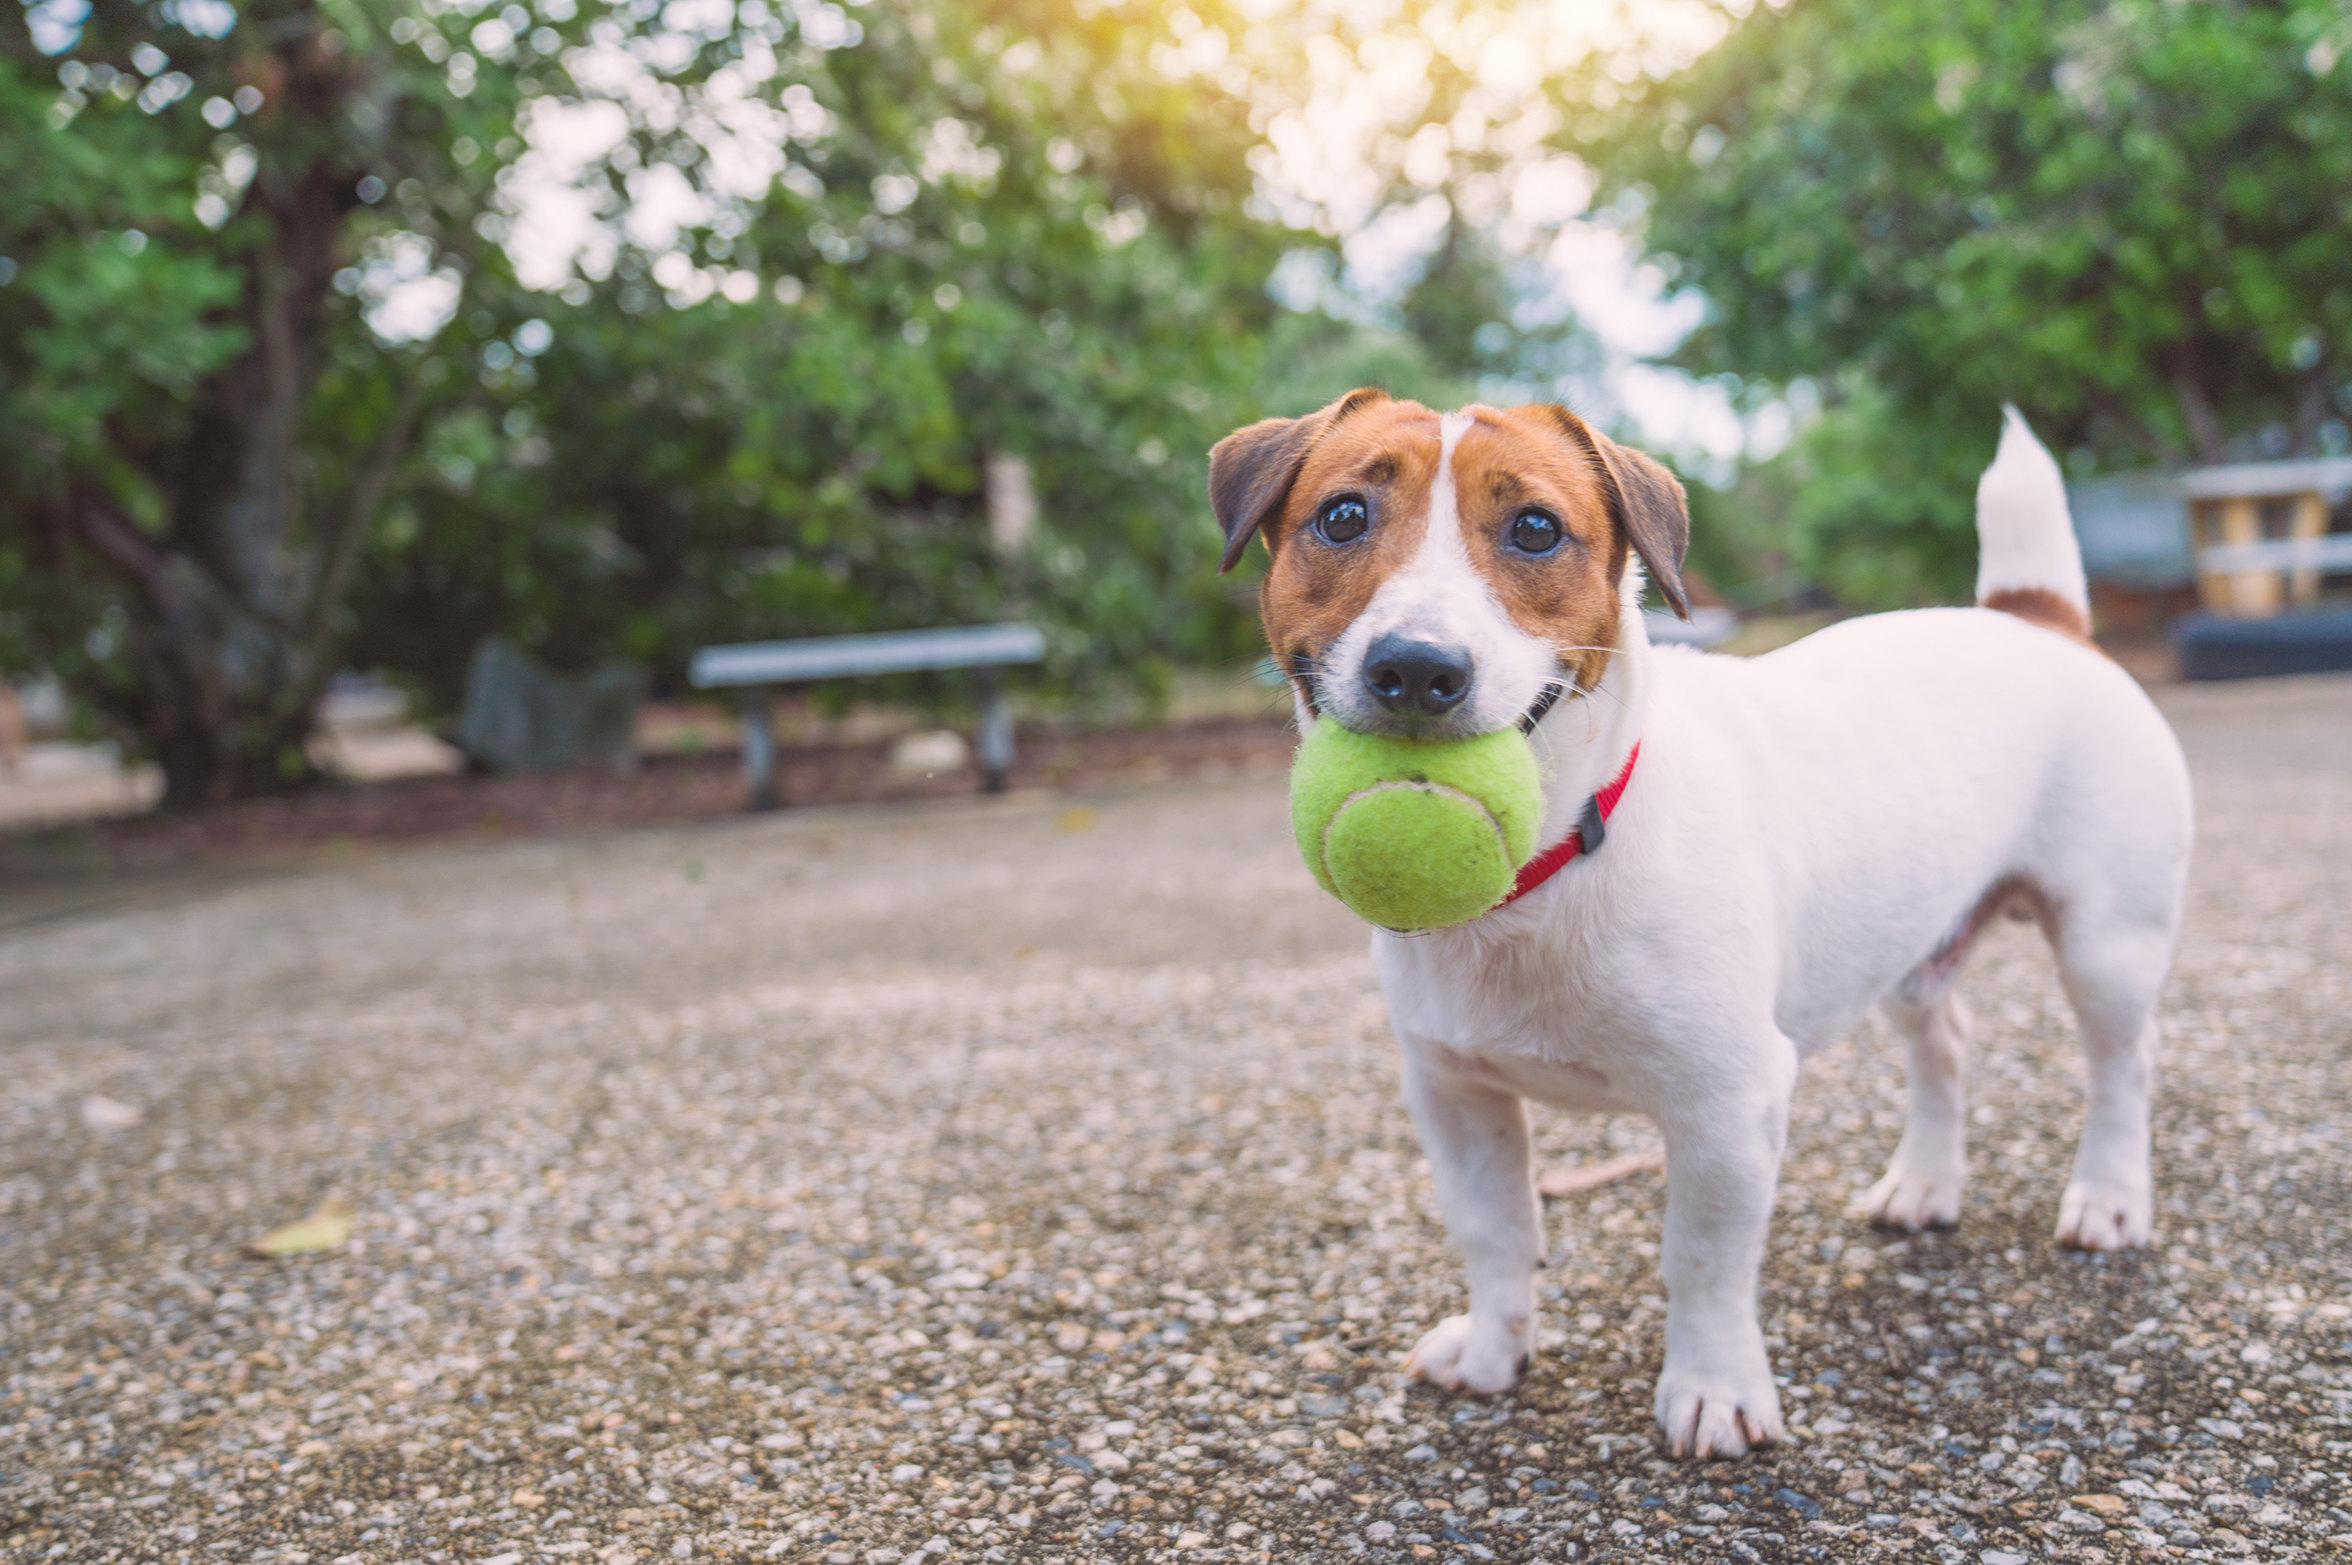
(2027, 562)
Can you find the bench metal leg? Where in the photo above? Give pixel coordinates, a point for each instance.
(759, 749)
(996, 733)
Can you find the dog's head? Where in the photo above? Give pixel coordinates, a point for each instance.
(1436, 576)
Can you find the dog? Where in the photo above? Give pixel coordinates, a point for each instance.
(1788, 840)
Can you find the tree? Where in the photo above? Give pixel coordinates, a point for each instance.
(775, 421)
(288, 396)
(2129, 217)
(188, 180)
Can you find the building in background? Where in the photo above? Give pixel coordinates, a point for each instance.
(2248, 566)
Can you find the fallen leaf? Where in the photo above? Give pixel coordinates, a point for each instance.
(1591, 1176)
(100, 1112)
(1075, 819)
(323, 1229)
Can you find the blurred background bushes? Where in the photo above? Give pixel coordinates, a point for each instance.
(342, 333)
(2127, 216)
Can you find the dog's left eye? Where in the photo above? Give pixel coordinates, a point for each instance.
(1343, 520)
(1535, 532)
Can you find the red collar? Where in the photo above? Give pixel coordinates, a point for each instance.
(1584, 837)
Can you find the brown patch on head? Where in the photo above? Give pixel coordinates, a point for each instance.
(1280, 475)
(1251, 471)
(1610, 503)
(2050, 610)
(1511, 464)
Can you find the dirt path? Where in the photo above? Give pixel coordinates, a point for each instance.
(1025, 1180)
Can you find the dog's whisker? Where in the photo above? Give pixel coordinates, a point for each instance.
(1304, 668)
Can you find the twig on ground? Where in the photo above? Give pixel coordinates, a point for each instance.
(1591, 1176)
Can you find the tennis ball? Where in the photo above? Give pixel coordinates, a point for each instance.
(1415, 834)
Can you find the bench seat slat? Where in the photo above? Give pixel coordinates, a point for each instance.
(888, 652)
(2327, 552)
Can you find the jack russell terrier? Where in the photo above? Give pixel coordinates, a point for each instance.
(1789, 839)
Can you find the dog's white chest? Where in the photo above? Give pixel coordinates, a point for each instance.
(1541, 1034)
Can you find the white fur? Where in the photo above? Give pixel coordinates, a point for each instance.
(2025, 533)
(1803, 830)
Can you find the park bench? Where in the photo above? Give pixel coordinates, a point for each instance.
(757, 667)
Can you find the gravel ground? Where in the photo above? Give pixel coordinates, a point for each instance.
(1024, 1180)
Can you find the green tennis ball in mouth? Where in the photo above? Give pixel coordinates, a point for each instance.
(1415, 834)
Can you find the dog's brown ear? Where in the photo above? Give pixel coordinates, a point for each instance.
(1649, 503)
(1252, 469)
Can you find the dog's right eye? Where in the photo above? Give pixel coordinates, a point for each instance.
(1342, 520)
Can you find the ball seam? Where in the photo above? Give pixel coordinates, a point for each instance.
(1410, 785)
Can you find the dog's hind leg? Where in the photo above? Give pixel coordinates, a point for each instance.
(2113, 973)
(1921, 1186)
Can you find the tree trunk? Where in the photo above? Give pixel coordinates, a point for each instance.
(232, 605)
(2204, 424)
(2311, 409)
(207, 700)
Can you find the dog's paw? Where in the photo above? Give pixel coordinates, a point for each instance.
(1711, 1411)
(2097, 1216)
(1912, 1196)
(1462, 1354)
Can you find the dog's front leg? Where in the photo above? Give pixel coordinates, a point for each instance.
(1716, 1396)
(1476, 1137)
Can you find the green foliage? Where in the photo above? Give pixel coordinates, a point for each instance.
(104, 313)
(672, 470)
(1885, 517)
(186, 181)
(1465, 309)
(1313, 357)
(1859, 505)
(998, 229)
(1740, 535)
(2129, 217)
(301, 381)
(1456, 335)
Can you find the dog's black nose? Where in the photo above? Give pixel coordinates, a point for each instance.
(1417, 676)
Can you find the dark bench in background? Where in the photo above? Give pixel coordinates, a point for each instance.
(758, 667)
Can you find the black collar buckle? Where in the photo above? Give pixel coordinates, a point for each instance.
(1591, 831)
(1543, 705)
